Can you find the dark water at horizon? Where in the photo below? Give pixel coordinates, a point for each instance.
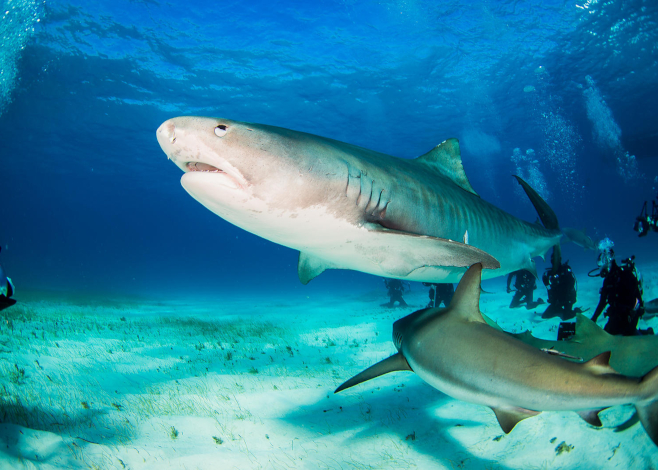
(89, 202)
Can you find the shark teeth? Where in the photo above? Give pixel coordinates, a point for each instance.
(198, 166)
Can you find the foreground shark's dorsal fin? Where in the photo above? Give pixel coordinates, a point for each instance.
(466, 301)
(394, 363)
(587, 330)
(447, 160)
(510, 417)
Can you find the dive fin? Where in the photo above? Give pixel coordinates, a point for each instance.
(510, 417)
(546, 214)
(446, 159)
(394, 363)
(591, 417)
(400, 253)
(648, 412)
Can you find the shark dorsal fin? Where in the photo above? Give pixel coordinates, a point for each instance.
(466, 301)
(587, 330)
(446, 159)
(600, 364)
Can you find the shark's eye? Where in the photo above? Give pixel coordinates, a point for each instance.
(220, 131)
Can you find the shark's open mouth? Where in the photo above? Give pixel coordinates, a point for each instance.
(228, 176)
(198, 166)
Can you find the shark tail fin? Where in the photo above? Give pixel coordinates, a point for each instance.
(547, 217)
(647, 411)
(394, 363)
(546, 214)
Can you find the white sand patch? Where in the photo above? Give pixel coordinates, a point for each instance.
(238, 384)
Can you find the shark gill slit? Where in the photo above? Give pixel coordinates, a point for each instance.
(365, 209)
(378, 202)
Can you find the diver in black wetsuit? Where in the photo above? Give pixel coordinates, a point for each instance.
(524, 285)
(561, 287)
(6, 290)
(395, 290)
(622, 291)
(439, 293)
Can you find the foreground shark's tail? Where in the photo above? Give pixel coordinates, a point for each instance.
(547, 217)
(648, 411)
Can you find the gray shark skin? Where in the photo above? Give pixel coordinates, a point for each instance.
(579, 237)
(457, 352)
(629, 355)
(346, 207)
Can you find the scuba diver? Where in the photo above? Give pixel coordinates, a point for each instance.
(6, 290)
(395, 291)
(645, 222)
(622, 293)
(524, 285)
(439, 293)
(561, 286)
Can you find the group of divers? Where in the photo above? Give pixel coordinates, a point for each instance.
(621, 293)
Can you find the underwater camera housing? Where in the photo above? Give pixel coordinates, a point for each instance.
(645, 222)
(566, 330)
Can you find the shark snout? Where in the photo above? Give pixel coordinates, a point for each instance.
(166, 133)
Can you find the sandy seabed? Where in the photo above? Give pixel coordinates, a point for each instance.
(246, 383)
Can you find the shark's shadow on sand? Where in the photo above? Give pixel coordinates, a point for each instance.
(404, 410)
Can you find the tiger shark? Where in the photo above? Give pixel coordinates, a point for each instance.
(457, 352)
(347, 207)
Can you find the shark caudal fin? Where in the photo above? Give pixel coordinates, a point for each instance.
(394, 363)
(547, 217)
(647, 411)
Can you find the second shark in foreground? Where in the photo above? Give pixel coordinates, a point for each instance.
(348, 207)
(458, 353)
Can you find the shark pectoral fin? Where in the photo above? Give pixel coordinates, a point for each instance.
(600, 364)
(394, 363)
(400, 253)
(309, 267)
(510, 417)
(591, 417)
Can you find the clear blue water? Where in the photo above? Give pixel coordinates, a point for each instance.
(89, 202)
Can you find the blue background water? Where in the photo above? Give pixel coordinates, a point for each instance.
(89, 202)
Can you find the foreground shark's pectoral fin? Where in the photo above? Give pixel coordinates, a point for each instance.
(510, 417)
(394, 363)
(446, 159)
(309, 267)
(591, 417)
(400, 253)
